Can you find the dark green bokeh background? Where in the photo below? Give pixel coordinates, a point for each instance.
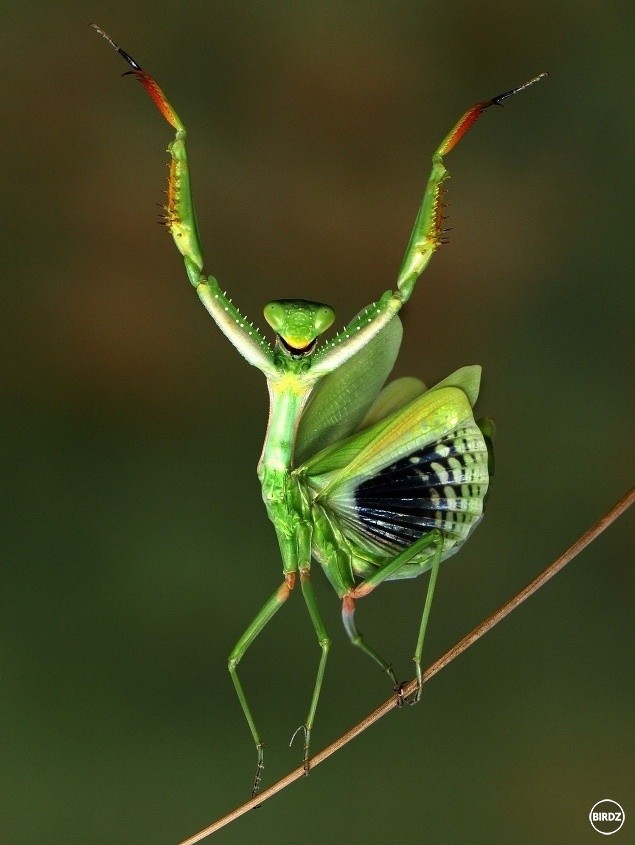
(135, 547)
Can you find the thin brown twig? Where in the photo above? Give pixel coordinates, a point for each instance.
(616, 511)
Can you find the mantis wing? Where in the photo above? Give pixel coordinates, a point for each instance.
(423, 467)
(392, 397)
(404, 390)
(343, 397)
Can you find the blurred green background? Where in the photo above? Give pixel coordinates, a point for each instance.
(135, 548)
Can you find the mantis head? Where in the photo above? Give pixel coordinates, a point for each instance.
(298, 323)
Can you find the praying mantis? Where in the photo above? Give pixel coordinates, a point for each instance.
(375, 483)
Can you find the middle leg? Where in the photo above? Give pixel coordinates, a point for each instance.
(434, 539)
(304, 534)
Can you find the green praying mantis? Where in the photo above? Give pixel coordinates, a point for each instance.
(376, 483)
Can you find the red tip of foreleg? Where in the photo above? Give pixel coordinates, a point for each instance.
(153, 89)
(472, 115)
(464, 125)
(155, 93)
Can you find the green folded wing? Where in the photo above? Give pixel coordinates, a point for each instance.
(344, 396)
(404, 390)
(467, 379)
(393, 397)
(419, 423)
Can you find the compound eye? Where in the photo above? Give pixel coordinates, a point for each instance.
(275, 314)
(324, 317)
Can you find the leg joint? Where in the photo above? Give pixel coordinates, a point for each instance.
(325, 644)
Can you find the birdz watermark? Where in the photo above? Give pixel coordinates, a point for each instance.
(606, 816)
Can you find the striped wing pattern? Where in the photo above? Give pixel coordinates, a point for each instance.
(441, 485)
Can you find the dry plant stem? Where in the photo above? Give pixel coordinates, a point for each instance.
(558, 564)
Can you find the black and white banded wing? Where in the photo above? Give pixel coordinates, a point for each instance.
(424, 467)
(440, 486)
